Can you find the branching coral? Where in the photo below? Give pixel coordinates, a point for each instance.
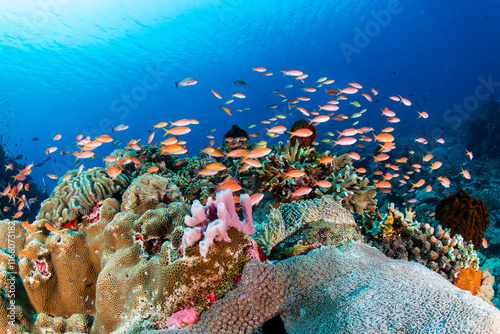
(464, 215)
(77, 195)
(351, 189)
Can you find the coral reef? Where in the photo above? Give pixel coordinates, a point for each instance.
(335, 224)
(125, 268)
(398, 236)
(351, 289)
(149, 189)
(464, 215)
(211, 222)
(77, 195)
(345, 185)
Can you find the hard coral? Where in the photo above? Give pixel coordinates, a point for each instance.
(288, 219)
(77, 195)
(149, 189)
(399, 236)
(464, 215)
(350, 289)
(349, 188)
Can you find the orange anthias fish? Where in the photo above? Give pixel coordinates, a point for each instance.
(465, 173)
(418, 184)
(345, 141)
(384, 137)
(427, 157)
(301, 133)
(258, 152)
(435, 165)
(383, 185)
(228, 185)
(179, 130)
(469, 154)
(348, 90)
(113, 171)
(294, 173)
(256, 198)
(217, 95)
(301, 192)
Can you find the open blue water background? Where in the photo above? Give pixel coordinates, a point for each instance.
(67, 66)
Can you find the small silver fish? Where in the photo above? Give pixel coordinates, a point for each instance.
(186, 82)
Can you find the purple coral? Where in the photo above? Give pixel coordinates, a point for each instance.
(211, 222)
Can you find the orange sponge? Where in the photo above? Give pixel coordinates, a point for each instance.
(469, 279)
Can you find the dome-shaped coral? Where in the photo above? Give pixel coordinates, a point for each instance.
(464, 215)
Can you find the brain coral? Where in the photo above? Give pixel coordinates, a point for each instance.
(351, 289)
(150, 189)
(464, 215)
(290, 217)
(78, 195)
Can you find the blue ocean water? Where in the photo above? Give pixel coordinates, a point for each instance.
(71, 67)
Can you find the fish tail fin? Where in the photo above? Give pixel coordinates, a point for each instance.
(234, 82)
(176, 84)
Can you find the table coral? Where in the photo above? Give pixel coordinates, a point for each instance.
(77, 195)
(351, 289)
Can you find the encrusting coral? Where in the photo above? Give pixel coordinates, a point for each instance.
(77, 195)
